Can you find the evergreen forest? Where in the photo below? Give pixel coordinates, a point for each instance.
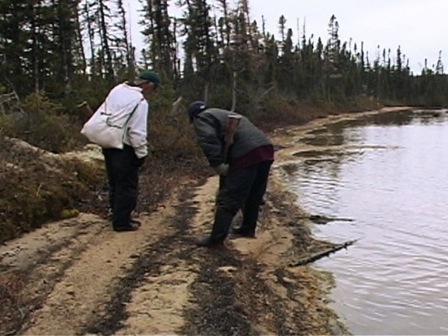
(74, 50)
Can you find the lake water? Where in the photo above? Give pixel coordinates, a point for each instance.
(386, 178)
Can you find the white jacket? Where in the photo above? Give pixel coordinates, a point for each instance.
(119, 104)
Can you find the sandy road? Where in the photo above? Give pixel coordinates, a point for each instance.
(79, 277)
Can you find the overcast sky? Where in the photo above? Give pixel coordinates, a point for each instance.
(419, 27)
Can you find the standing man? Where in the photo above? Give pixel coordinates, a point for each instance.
(242, 155)
(122, 165)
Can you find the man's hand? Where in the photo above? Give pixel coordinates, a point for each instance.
(222, 169)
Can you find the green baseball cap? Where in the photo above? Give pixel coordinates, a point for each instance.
(151, 76)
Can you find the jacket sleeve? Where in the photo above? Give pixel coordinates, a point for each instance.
(208, 130)
(137, 129)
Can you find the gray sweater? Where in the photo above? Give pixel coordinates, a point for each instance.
(210, 126)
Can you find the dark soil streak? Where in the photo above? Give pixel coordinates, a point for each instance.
(217, 311)
(235, 303)
(147, 264)
(264, 305)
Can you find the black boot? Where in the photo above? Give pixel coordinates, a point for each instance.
(249, 224)
(208, 242)
(126, 228)
(221, 226)
(243, 232)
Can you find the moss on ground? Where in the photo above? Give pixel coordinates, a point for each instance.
(34, 191)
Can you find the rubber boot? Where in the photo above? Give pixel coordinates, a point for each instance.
(221, 226)
(249, 224)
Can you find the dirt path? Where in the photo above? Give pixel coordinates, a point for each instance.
(78, 277)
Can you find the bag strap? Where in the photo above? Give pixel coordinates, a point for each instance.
(125, 126)
(133, 111)
(128, 118)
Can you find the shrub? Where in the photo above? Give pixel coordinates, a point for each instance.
(44, 125)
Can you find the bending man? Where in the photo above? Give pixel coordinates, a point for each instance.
(243, 162)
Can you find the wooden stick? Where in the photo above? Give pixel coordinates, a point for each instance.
(321, 254)
(176, 105)
(232, 125)
(86, 110)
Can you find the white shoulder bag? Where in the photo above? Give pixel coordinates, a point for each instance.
(100, 130)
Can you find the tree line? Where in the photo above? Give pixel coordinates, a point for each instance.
(71, 50)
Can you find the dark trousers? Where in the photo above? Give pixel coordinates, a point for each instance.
(240, 189)
(122, 175)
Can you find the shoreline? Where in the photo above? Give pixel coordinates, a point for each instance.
(288, 139)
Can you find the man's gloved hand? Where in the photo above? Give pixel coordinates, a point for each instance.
(222, 169)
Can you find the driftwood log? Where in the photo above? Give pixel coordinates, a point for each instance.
(319, 219)
(325, 253)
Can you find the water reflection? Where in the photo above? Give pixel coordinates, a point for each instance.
(389, 173)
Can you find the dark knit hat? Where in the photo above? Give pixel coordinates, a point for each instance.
(149, 75)
(195, 108)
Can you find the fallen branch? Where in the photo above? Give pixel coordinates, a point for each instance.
(10, 103)
(176, 105)
(325, 253)
(318, 219)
